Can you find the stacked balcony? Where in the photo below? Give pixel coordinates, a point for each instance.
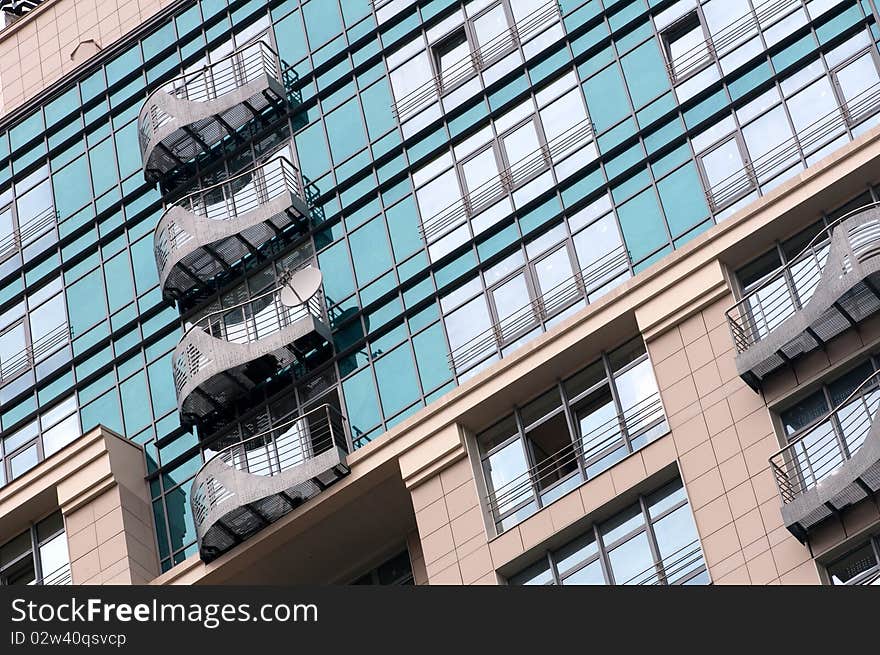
(191, 114)
(830, 287)
(211, 231)
(206, 240)
(833, 464)
(251, 484)
(227, 353)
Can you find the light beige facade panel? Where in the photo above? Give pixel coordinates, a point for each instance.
(98, 483)
(57, 37)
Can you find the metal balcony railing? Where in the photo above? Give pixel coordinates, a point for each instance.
(821, 292)
(192, 113)
(868, 578)
(60, 576)
(211, 230)
(29, 231)
(520, 322)
(230, 351)
(679, 567)
(832, 464)
(489, 53)
(28, 358)
(728, 38)
(506, 181)
(251, 484)
(788, 152)
(566, 468)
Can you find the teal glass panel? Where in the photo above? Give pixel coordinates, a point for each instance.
(103, 166)
(642, 224)
(290, 37)
(180, 521)
(127, 150)
(607, 98)
(431, 354)
(103, 411)
(645, 73)
(403, 223)
(135, 411)
(120, 286)
(346, 131)
(361, 402)
(312, 148)
(376, 101)
(683, 201)
(370, 251)
(322, 21)
(398, 382)
(336, 269)
(85, 302)
(71, 188)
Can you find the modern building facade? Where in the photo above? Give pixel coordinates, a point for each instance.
(440, 292)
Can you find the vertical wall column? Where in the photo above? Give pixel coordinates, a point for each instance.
(451, 527)
(108, 516)
(723, 436)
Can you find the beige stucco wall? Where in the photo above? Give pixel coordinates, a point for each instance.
(97, 481)
(40, 48)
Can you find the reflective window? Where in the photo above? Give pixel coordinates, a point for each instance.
(531, 458)
(395, 571)
(37, 556)
(860, 566)
(683, 42)
(653, 541)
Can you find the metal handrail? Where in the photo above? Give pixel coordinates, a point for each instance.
(19, 237)
(796, 280)
(811, 456)
(673, 568)
(58, 577)
(591, 447)
(505, 182)
(314, 303)
(270, 180)
(283, 450)
(749, 175)
(27, 358)
(868, 578)
(518, 322)
(727, 38)
(248, 63)
(462, 70)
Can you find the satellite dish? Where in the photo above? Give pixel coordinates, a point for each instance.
(301, 287)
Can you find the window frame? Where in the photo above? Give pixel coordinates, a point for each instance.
(567, 405)
(679, 27)
(603, 550)
(874, 542)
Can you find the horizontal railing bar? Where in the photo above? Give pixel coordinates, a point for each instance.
(822, 456)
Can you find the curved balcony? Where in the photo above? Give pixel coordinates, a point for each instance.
(227, 353)
(192, 113)
(833, 464)
(252, 484)
(829, 287)
(209, 232)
